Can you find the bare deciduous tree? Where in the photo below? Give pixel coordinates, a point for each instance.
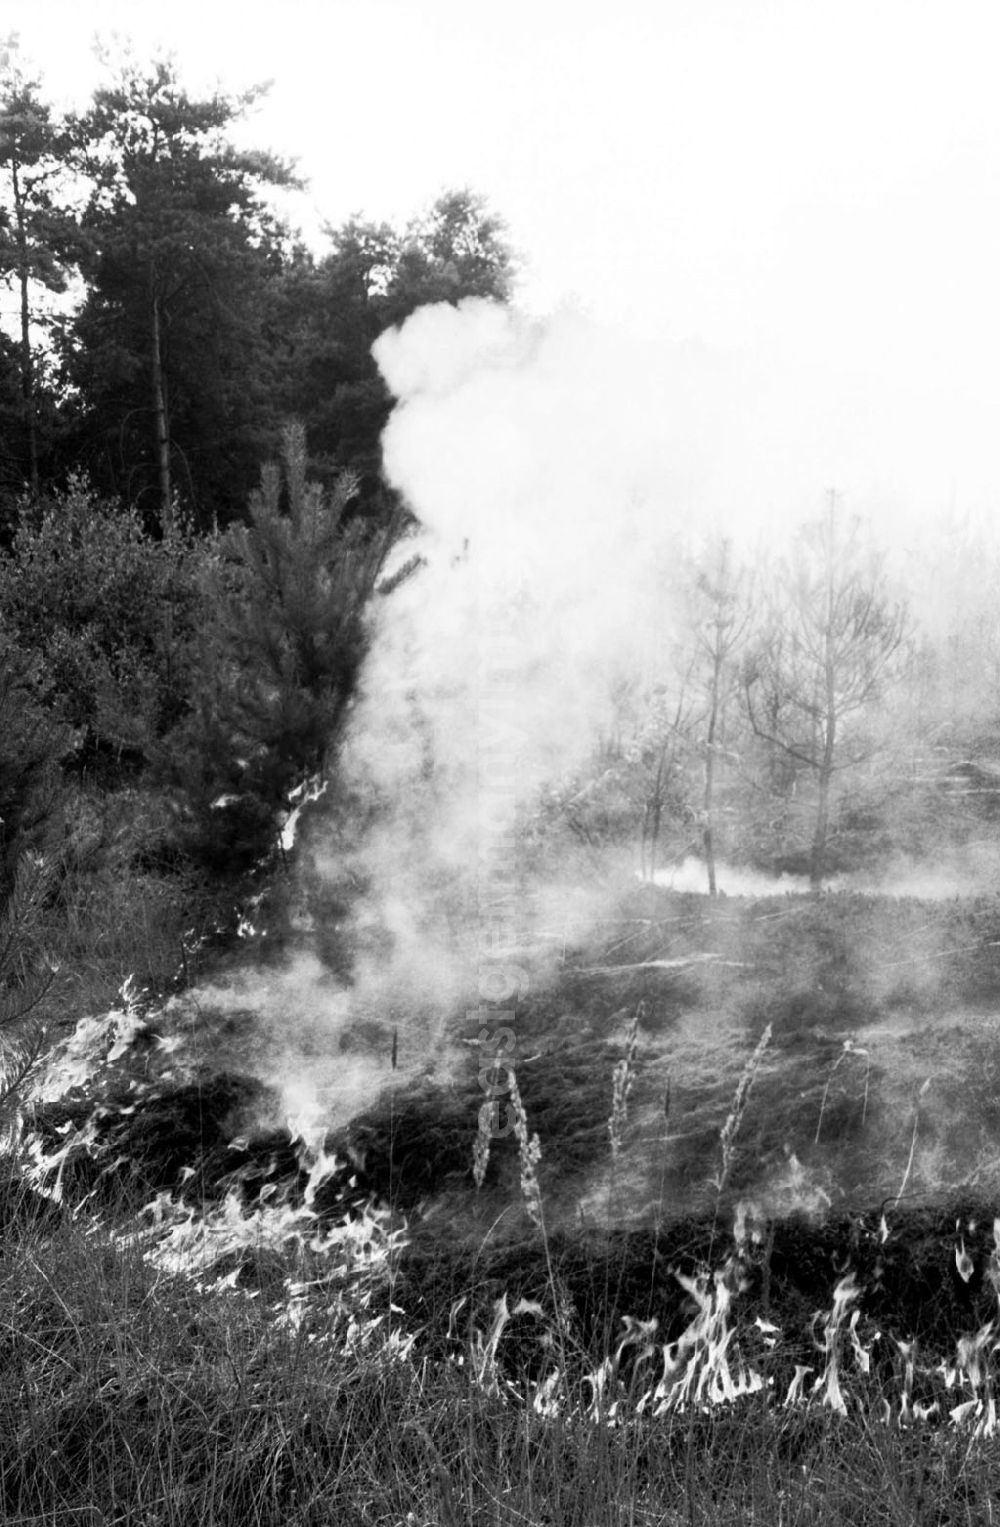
(832, 639)
(723, 617)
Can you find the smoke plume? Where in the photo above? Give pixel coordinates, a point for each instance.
(552, 476)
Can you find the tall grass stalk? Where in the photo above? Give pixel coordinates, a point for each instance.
(529, 1151)
(913, 1144)
(623, 1078)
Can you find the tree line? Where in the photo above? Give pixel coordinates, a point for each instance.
(200, 322)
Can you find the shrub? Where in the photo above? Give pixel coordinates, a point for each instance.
(108, 613)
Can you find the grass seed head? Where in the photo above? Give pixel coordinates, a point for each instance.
(530, 1153)
(481, 1148)
(730, 1129)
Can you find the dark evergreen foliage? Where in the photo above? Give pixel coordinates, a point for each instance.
(279, 662)
(38, 248)
(204, 324)
(333, 310)
(178, 246)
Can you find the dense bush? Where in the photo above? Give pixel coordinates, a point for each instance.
(107, 613)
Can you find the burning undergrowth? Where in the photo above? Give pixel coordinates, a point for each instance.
(853, 1141)
(726, 1259)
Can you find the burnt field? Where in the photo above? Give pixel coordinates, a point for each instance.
(806, 1085)
(738, 1260)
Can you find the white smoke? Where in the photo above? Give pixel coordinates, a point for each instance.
(553, 478)
(554, 473)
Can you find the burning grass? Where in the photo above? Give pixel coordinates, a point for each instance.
(135, 1390)
(663, 1304)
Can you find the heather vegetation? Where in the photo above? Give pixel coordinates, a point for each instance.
(705, 1230)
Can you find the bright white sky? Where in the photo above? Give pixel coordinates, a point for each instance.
(813, 187)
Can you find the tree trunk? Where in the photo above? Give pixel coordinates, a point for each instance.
(652, 819)
(824, 772)
(708, 836)
(817, 857)
(160, 418)
(28, 392)
(27, 366)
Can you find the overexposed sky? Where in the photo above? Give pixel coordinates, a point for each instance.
(812, 188)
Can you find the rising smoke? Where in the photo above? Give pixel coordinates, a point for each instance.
(552, 492)
(556, 472)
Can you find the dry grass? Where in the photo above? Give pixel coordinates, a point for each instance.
(128, 1397)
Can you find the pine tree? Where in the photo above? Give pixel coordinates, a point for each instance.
(326, 317)
(178, 247)
(280, 664)
(37, 231)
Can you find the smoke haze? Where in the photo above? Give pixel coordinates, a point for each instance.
(557, 473)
